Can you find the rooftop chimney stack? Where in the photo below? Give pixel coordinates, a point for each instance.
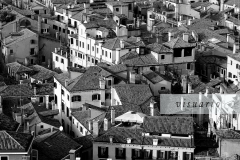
(112, 116)
(152, 102)
(72, 154)
(117, 55)
(189, 87)
(207, 91)
(39, 24)
(105, 127)
(185, 37)
(169, 36)
(121, 43)
(66, 82)
(234, 48)
(95, 128)
(35, 90)
(221, 5)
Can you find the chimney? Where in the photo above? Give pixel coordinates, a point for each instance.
(51, 128)
(221, 5)
(72, 154)
(234, 48)
(90, 126)
(169, 36)
(85, 7)
(27, 128)
(117, 55)
(189, 22)
(20, 81)
(152, 102)
(117, 30)
(61, 52)
(105, 127)
(112, 116)
(129, 140)
(110, 139)
(189, 87)
(39, 24)
(130, 75)
(155, 142)
(184, 84)
(95, 128)
(182, 104)
(228, 35)
(102, 82)
(200, 97)
(138, 22)
(134, 22)
(121, 43)
(56, 50)
(35, 90)
(15, 26)
(66, 82)
(185, 37)
(207, 91)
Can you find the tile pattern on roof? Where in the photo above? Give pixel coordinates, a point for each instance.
(178, 43)
(159, 48)
(168, 125)
(7, 123)
(42, 72)
(17, 67)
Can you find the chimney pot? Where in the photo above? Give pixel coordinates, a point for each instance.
(35, 90)
(129, 140)
(112, 116)
(66, 83)
(169, 36)
(105, 124)
(234, 48)
(185, 37)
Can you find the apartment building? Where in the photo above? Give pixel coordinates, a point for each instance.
(233, 67)
(128, 141)
(21, 46)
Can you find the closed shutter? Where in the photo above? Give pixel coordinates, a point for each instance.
(158, 154)
(150, 156)
(165, 155)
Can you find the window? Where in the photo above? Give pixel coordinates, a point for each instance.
(188, 156)
(4, 158)
(92, 60)
(106, 53)
(72, 121)
(187, 52)
(108, 95)
(63, 109)
(177, 53)
(62, 92)
(97, 50)
(92, 48)
(129, 6)
(234, 76)
(34, 154)
(110, 55)
(221, 71)
(43, 58)
(117, 9)
(67, 111)
(160, 154)
(102, 152)
(89, 59)
(11, 51)
(188, 65)
(173, 155)
(82, 44)
(96, 61)
(136, 153)
(67, 97)
(237, 66)
(163, 88)
(31, 51)
(71, 40)
(41, 126)
(55, 85)
(76, 42)
(62, 61)
(63, 30)
(231, 62)
(120, 153)
(76, 98)
(96, 97)
(25, 157)
(57, 58)
(109, 82)
(148, 154)
(81, 129)
(229, 74)
(218, 69)
(59, 29)
(162, 56)
(88, 46)
(32, 41)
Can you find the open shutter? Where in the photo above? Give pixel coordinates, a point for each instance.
(124, 152)
(99, 152)
(184, 155)
(133, 153)
(106, 151)
(158, 154)
(191, 156)
(116, 153)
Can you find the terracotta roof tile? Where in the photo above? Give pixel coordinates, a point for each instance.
(178, 43)
(7, 123)
(17, 67)
(168, 125)
(159, 48)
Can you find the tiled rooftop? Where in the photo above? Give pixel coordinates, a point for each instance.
(18, 68)
(114, 43)
(7, 123)
(228, 134)
(85, 141)
(42, 73)
(178, 43)
(55, 146)
(168, 125)
(133, 93)
(120, 135)
(159, 48)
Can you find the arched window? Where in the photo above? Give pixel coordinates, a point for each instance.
(76, 98)
(96, 97)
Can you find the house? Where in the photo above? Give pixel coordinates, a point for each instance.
(86, 150)
(41, 74)
(47, 145)
(17, 70)
(61, 59)
(233, 67)
(19, 145)
(157, 82)
(82, 119)
(21, 46)
(36, 118)
(148, 141)
(92, 86)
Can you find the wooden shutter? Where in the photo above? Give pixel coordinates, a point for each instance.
(99, 96)
(184, 155)
(191, 156)
(165, 155)
(124, 152)
(150, 156)
(107, 151)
